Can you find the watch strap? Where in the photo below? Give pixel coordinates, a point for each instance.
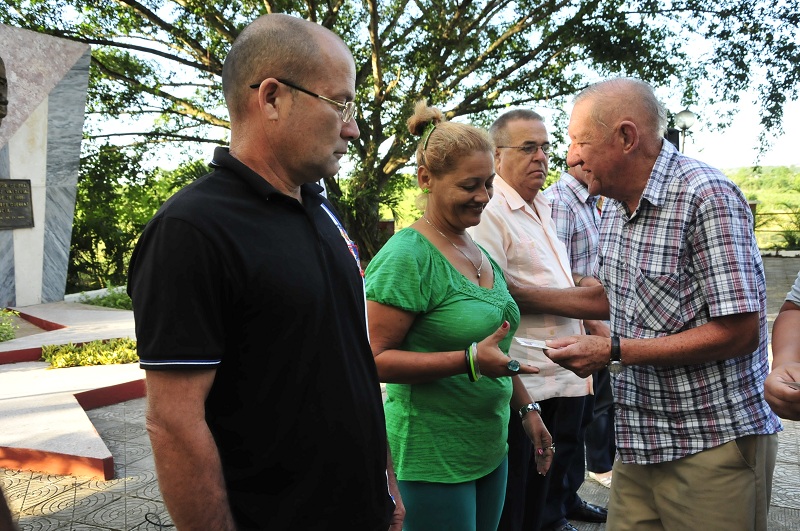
(616, 355)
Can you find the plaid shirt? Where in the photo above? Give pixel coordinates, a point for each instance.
(686, 255)
(575, 214)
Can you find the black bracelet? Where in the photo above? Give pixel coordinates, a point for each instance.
(469, 369)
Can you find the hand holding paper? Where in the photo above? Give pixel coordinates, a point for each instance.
(532, 343)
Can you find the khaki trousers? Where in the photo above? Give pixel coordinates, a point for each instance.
(726, 488)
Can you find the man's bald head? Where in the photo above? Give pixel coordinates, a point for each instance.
(618, 99)
(274, 45)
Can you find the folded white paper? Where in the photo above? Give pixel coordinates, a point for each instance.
(532, 343)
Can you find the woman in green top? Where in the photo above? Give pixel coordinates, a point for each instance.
(440, 317)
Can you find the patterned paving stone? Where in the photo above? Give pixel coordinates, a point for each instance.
(125, 512)
(132, 501)
(44, 523)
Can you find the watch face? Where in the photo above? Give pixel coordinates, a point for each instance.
(524, 410)
(615, 367)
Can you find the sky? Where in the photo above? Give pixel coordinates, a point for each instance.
(731, 148)
(735, 147)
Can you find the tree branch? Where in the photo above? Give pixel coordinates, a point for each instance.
(201, 54)
(215, 20)
(190, 109)
(161, 138)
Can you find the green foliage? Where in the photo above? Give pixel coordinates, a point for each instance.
(114, 298)
(790, 227)
(552, 176)
(116, 197)
(110, 352)
(156, 68)
(792, 239)
(785, 179)
(104, 228)
(776, 191)
(7, 326)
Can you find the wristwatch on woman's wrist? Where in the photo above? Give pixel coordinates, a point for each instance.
(527, 408)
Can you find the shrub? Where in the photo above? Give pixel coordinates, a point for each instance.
(114, 298)
(7, 326)
(790, 230)
(122, 350)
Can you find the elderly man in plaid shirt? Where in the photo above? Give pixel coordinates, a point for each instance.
(682, 279)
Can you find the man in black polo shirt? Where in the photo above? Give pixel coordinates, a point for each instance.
(264, 406)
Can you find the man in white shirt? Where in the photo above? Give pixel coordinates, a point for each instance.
(517, 230)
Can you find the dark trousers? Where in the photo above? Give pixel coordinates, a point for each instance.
(576, 471)
(533, 500)
(562, 493)
(600, 446)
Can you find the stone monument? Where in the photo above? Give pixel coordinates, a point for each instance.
(43, 94)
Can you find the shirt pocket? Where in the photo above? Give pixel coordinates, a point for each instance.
(658, 302)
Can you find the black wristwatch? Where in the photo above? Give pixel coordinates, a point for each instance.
(527, 408)
(615, 363)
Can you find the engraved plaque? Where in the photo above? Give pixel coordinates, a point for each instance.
(16, 210)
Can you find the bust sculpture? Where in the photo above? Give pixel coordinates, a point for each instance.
(3, 91)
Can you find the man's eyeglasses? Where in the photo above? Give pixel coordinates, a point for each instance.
(348, 107)
(530, 149)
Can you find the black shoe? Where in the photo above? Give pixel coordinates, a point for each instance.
(566, 527)
(588, 512)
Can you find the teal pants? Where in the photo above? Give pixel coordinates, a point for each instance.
(470, 506)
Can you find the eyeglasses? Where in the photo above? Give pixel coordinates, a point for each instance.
(348, 107)
(530, 149)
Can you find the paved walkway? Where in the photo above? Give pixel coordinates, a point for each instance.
(42, 410)
(131, 499)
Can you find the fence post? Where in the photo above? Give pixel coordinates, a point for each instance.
(753, 205)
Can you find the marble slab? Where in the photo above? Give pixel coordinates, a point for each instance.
(34, 63)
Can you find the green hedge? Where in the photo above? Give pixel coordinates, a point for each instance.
(7, 326)
(114, 298)
(114, 351)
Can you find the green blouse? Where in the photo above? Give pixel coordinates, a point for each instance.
(449, 430)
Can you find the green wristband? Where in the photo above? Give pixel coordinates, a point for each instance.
(476, 368)
(473, 370)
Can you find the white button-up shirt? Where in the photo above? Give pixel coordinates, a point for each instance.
(522, 238)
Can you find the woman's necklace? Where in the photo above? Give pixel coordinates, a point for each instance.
(477, 267)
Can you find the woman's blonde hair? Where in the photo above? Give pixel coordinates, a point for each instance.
(444, 143)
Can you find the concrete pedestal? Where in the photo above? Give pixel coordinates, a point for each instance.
(40, 142)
